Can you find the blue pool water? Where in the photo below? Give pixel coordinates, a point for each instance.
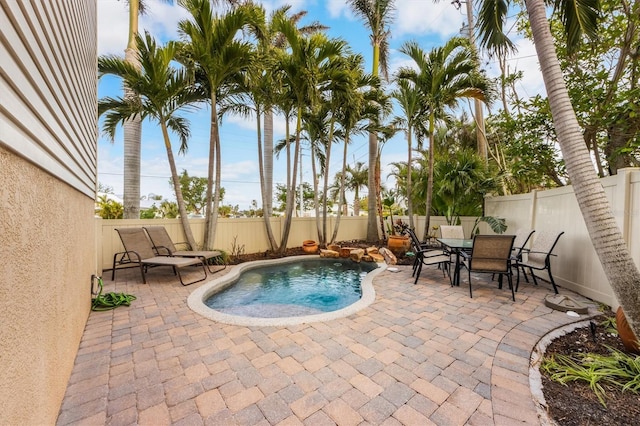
(293, 289)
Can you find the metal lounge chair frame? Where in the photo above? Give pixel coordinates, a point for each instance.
(490, 254)
(139, 253)
(539, 257)
(164, 246)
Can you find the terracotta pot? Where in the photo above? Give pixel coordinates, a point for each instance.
(309, 246)
(629, 340)
(398, 244)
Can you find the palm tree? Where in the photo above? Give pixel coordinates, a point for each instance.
(409, 102)
(303, 69)
(377, 15)
(579, 18)
(355, 179)
(443, 77)
(161, 90)
(217, 55)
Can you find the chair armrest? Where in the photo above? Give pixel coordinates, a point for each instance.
(465, 255)
(429, 252)
(162, 251)
(186, 244)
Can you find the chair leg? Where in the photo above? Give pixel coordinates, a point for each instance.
(535, 281)
(553, 283)
(418, 273)
(510, 279)
(144, 278)
(192, 282)
(470, 293)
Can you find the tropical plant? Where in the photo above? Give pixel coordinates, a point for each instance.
(443, 77)
(161, 91)
(218, 55)
(409, 101)
(377, 15)
(579, 18)
(304, 67)
(108, 208)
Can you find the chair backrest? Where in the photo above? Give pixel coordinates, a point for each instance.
(491, 253)
(414, 238)
(449, 231)
(522, 237)
(135, 239)
(160, 238)
(543, 244)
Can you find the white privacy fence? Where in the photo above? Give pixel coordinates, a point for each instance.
(576, 265)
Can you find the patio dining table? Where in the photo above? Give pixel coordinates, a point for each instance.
(456, 245)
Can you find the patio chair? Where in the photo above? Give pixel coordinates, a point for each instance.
(523, 235)
(164, 246)
(139, 252)
(450, 231)
(539, 256)
(424, 255)
(490, 254)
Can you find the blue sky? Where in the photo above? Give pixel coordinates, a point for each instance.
(421, 20)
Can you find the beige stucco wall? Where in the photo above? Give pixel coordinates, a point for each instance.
(47, 258)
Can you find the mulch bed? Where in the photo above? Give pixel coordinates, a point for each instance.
(572, 405)
(576, 404)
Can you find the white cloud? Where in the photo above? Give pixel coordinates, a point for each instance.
(337, 8)
(415, 17)
(161, 20)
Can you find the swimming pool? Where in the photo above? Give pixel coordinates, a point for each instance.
(300, 289)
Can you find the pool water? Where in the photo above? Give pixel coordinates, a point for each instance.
(301, 288)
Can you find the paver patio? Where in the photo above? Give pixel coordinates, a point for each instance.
(419, 355)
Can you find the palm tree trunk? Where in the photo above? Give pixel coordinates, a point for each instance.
(132, 129)
(291, 190)
(263, 182)
(342, 184)
(325, 189)
(314, 173)
(208, 242)
(428, 203)
(409, 183)
(184, 219)
(268, 163)
(619, 268)
(372, 226)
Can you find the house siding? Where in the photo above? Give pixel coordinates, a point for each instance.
(48, 164)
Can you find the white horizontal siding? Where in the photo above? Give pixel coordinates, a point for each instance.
(48, 80)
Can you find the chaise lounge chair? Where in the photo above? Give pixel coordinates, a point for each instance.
(139, 252)
(164, 246)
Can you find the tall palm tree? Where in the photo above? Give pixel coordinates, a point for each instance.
(303, 69)
(579, 18)
(377, 15)
(275, 40)
(161, 90)
(217, 55)
(442, 78)
(409, 101)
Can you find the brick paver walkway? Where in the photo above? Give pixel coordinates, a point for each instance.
(419, 355)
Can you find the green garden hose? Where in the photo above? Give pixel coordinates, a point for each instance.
(107, 301)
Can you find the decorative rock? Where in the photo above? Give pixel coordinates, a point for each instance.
(389, 257)
(346, 251)
(356, 255)
(373, 250)
(367, 258)
(333, 247)
(329, 253)
(375, 257)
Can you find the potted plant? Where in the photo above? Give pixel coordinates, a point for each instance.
(397, 242)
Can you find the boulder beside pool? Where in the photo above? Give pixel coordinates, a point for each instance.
(329, 253)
